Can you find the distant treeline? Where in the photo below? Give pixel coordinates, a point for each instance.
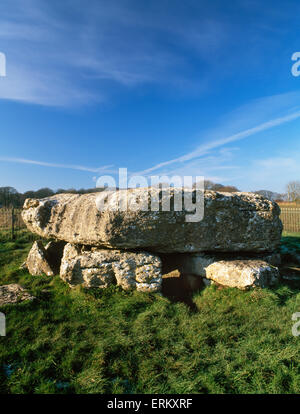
(210, 185)
(271, 195)
(9, 196)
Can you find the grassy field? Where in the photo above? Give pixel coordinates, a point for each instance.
(110, 341)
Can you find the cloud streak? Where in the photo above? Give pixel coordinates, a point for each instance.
(207, 147)
(105, 168)
(64, 53)
(62, 56)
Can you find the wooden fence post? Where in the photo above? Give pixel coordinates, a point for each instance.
(13, 223)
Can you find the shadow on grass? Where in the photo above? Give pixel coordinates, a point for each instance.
(173, 288)
(179, 287)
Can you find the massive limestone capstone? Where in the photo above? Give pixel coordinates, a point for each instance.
(233, 222)
(93, 267)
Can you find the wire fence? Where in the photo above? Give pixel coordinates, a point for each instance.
(290, 217)
(12, 225)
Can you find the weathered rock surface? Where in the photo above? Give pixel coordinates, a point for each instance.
(37, 261)
(242, 274)
(55, 251)
(13, 293)
(232, 222)
(197, 263)
(44, 260)
(101, 268)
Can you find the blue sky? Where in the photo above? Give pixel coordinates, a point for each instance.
(158, 87)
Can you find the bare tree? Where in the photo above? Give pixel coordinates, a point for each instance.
(293, 190)
(271, 195)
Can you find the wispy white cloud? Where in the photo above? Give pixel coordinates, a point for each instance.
(57, 51)
(279, 162)
(30, 86)
(216, 155)
(216, 159)
(104, 169)
(63, 53)
(206, 147)
(212, 166)
(272, 173)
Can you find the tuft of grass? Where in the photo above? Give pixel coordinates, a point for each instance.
(111, 341)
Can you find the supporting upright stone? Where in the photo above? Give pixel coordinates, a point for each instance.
(101, 268)
(37, 261)
(242, 274)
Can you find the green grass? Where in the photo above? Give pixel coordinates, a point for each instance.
(291, 240)
(110, 341)
(290, 247)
